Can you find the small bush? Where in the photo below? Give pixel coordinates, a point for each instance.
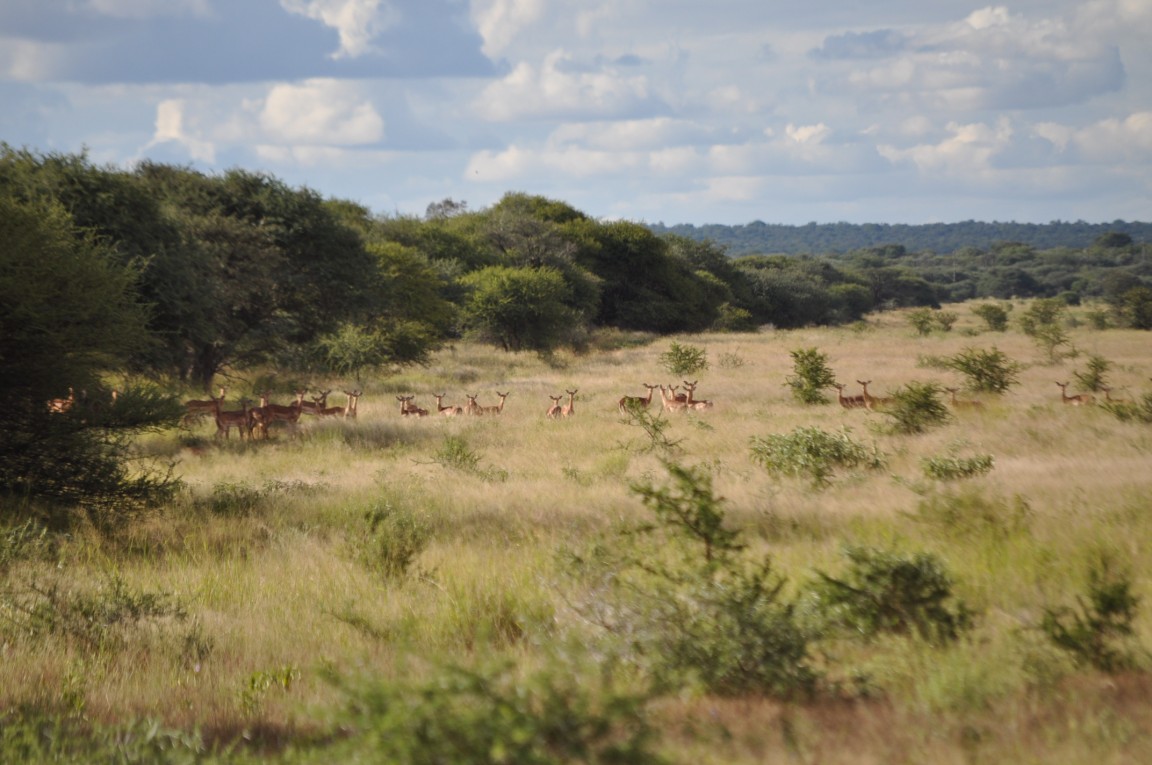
(953, 468)
(891, 592)
(1137, 411)
(995, 316)
(922, 321)
(391, 540)
(811, 376)
(916, 407)
(813, 454)
(1094, 377)
(457, 454)
(495, 715)
(1095, 631)
(684, 360)
(988, 371)
(24, 541)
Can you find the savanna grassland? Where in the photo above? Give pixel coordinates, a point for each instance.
(270, 608)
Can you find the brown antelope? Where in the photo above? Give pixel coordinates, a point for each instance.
(348, 410)
(1079, 399)
(198, 408)
(447, 411)
(353, 403)
(267, 413)
(670, 403)
(849, 402)
(1108, 396)
(60, 405)
(472, 407)
(555, 410)
(498, 408)
(238, 418)
(317, 403)
(637, 402)
(407, 408)
(569, 409)
(692, 402)
(677, 396)
(871, 401)
(960, 403)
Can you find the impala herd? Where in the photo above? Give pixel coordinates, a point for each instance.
(249, 420)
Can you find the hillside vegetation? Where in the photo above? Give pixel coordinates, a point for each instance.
(758, 580)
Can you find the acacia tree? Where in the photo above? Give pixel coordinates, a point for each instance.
(68, 317)
(520, 308)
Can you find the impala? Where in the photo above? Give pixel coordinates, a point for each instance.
(353, 402)
(873, 401)
(472, 407)
(555, 410)
(60, 405)
(348, 410)
(316, 404)
(1108, 396)
(407, 408)
(1077, 400)
(569, 409)
(692, 402)
(447, 411)
(238, 418)
(197, 408)
(961, 403)
(265, 414)
(849, 402)
(498, 408)
(637, 402)
(671, 404)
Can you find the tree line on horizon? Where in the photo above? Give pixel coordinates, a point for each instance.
(834, 239)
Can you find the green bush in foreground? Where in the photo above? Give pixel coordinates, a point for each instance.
(811, 376)
(1096, 630)
(915, 407)
(881, 591)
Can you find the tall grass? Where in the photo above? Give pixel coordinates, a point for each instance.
(264, 551)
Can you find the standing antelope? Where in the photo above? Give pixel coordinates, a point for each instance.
(873, 401)
(555, 410)
(353, 402)
(238, 418)
(198, 408)
(447, 411)
(317, 403)
(498, 408)
(267, 413)
(849, 402)
(963, 403)
(637, 402)
(569, 409)
(671, 404)
(1108, 396)
(472, 407)
(1077, 400)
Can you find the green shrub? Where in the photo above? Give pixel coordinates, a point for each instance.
(682, 360)
(811, 376)
(1095, 375)
(995, 316)
(22, 542)
(922, 321)
(814, 454)
(917, 406)
(1095, 632)
(885, 591)
(654, 425)
(457, 454)
(495, 715)
(952, 468)
(391, 540)
(988, 371)
(1135, 411)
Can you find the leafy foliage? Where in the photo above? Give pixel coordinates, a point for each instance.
(684, 360)
(995, 316)
(520, 308)
(987, 370)
(917, 406)
(1095, 631)
(811, 376)
(814, 454)
(884, 591)
(951, 467)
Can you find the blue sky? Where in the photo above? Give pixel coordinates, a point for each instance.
(729, 111)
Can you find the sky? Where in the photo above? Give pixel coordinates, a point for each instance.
(659, 111)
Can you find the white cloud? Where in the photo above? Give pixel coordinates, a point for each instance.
(170, 127)
(501, 21)
(1115, 140)
(969, 150)
(321, 113)
(559, 88)
(358, 22)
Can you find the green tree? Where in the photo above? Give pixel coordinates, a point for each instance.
(1136, 307)
(995, 316)
(520, 308)
(68, 317)
(1042, 322)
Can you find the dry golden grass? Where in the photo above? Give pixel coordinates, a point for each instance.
(278, 586)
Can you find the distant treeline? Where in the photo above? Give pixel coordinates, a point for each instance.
(758, 238)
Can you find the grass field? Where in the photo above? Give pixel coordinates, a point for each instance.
(387, 548)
